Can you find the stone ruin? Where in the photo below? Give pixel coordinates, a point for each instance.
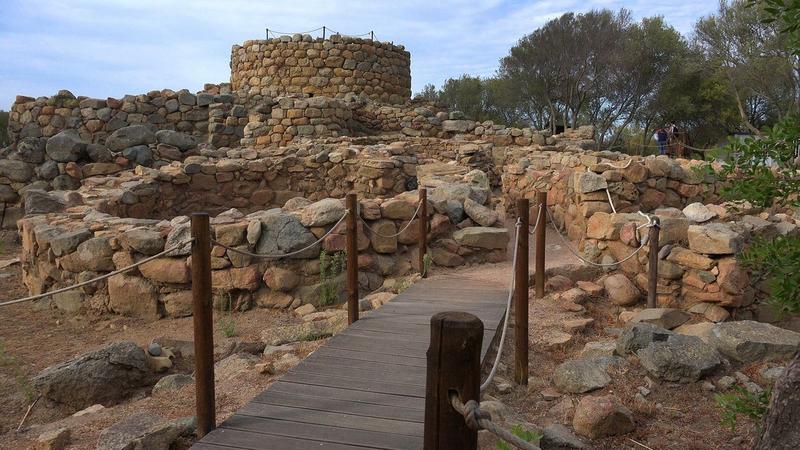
(93, 185)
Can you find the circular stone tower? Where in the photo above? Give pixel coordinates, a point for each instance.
(334, 67)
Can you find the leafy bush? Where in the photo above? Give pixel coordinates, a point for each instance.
(520, 432)
(742, 402)
(777, 260)
(331, 265)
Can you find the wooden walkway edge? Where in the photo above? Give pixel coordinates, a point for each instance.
(365, 388)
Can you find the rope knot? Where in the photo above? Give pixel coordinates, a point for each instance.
(473, 414)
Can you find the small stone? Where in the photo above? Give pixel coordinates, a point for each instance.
(557, 436)
(621, 290)
(724, 383)
(668, 318)
(172, 382)
(154, 349)
(708, 386)
(597, 417)
(305, 310)
(580, 375)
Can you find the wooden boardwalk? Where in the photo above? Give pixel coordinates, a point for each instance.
(365, 388)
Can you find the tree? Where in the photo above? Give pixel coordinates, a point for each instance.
(752, 55)
(764, 170)
(465, 94)
(427, 93)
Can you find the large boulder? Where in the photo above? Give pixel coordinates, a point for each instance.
(145, 430)
(176, 139)
(95, 254)
(668, 318)
(283, 233)
(104, 376)
(698, 212)
(31, 150)
(133, 296)
(130, 136)
(748, 341)
(586, 182)
(67, 242)
(18, 171)
(636, 336)
(482, 237)
(621, 290)
(66, 146)
(41, 202)
(321, 213)
(581, 375)
(482, 215)
(715, 239)
(680, 358)
(143, 240)
(597, 417)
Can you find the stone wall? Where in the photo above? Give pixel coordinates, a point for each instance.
(333, 67)
(292, 117)
(94, 119)
(576, 184)
(698, 267)
(60, 249)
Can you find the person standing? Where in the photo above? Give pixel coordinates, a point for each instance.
(662, 136)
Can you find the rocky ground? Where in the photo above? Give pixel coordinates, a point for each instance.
(577, 388)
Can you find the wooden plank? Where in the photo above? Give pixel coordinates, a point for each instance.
(317, 358)
(374, 398)
(341, 406)
(415, 378)
(354, 355)
(333, 419)
(230, 438)
(380, 386)
(361, 438)
(365, 387)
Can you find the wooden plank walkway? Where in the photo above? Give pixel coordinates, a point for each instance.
(365, 388)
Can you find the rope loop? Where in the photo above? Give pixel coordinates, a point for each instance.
(473, 414)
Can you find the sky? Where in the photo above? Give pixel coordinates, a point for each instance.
(109, 48)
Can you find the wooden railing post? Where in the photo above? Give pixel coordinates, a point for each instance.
(541, 230)
(521, 277)
(652, 281)
(454, 366)
(203, 325)
(352, 257)
(423, 230)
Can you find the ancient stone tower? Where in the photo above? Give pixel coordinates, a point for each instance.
(332, 67)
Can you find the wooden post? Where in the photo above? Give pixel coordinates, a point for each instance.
(541, 230)
(521, 295)
(371, 35)
(454, 365)
(203, 325)
(652, 274)
(423, 230)
(323, 33)
(267, 33)
(352, 258)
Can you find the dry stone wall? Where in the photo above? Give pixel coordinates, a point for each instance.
(697, 262)
(335, 67)
(292, 117)
(94, 119)
(60, 249)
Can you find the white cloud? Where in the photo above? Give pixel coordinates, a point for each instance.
(108, 48)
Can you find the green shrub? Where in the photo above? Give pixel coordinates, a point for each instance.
(520, 432)
(226, 323)
(778, 261)
(331, 265)
(742, 402)
(427, 261)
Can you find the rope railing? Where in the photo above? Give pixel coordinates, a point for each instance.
(568, 245)
(283, 255)
(496, 363)
(480, 420)
(326, 32)
(389, 236)
(96, 279)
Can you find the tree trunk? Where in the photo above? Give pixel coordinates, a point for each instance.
(781, 431)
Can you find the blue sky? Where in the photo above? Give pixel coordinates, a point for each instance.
(103, 48)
